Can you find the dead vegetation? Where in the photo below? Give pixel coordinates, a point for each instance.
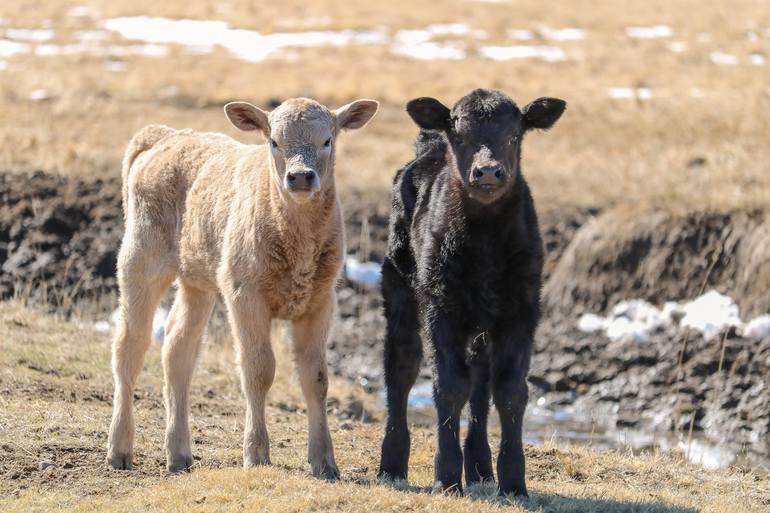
(698, 143)
(55, 395)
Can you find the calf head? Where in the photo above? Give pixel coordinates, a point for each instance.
(301, 134)
(485, 130)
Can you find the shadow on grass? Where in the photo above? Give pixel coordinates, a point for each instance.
(545, 502)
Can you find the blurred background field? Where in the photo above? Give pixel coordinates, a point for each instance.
(653, 193)
(666, 99)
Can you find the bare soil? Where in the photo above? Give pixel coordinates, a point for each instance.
(59, 239)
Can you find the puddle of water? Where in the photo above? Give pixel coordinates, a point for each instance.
(564, 425)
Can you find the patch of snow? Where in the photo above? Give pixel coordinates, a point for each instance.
(29, 34)
(678, 46)
(757, 328)
(506, 53)
(159, 323)
(653, 32)
(565, 34)
(626, 93)
(10, 48)
(80, 11)
(417, 44)
(710, 314)
(39, 95)
(117, 66)
(724, 59)
(366, 273)
(757, 59)
(591, 323)
(521, 34)
(247, 45)
(90, 36)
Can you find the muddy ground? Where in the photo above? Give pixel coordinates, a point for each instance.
(59, 239)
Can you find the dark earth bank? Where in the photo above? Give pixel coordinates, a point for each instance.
(59, 239)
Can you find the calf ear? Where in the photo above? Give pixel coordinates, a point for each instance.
(543, 113)
(245, 116)
(429, 114)
(356, 114)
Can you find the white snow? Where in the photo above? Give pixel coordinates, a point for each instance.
(417, 43)
(505, 53)
(656, 31)
(626, 93)
(709, 314)
(678, 46)
(366, 273)
(757, 59)
(159, 322)
(39, 95)
(521, 34)
(757, 328)
(10, 48)
(565, 34)
(724, 59)
(29, 34)
(247, 45)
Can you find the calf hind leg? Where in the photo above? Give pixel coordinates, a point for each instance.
(403, 353)
(141, 289)
(187, 322)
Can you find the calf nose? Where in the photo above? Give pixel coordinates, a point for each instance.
(487, 175)
(301, 179)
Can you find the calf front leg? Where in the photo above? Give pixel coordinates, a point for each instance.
(310, 335)
(250, 321)
(403, 354)
(451, 385)
(476, 452)
(509, 390)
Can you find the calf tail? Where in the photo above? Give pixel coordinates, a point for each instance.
(142, 141)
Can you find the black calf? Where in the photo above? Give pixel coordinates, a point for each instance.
(464, 268)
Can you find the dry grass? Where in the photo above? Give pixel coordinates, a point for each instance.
(604, 151)
(55, 404)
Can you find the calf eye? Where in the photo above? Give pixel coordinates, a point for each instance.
(273, 143)
(328, 142)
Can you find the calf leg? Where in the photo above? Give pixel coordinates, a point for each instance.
(403, 354)
(476, 453)
(509, 390)
(250, 321)
(184, 332)
(310, 335)
(142, 284)
(451, 386)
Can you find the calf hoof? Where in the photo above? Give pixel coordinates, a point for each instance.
(256, 461)
(179, 464)
(120, 461)
(454, 489)
(517, 492)
(327, 469)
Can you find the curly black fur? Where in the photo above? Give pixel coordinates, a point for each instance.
(465, 274)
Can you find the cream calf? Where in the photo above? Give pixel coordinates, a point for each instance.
(258, 225)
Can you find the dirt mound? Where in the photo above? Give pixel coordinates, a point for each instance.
(659, 257)
(60, 237)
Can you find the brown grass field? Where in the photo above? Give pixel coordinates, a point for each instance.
(55, 397)
(700, 143)
(605, 151)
